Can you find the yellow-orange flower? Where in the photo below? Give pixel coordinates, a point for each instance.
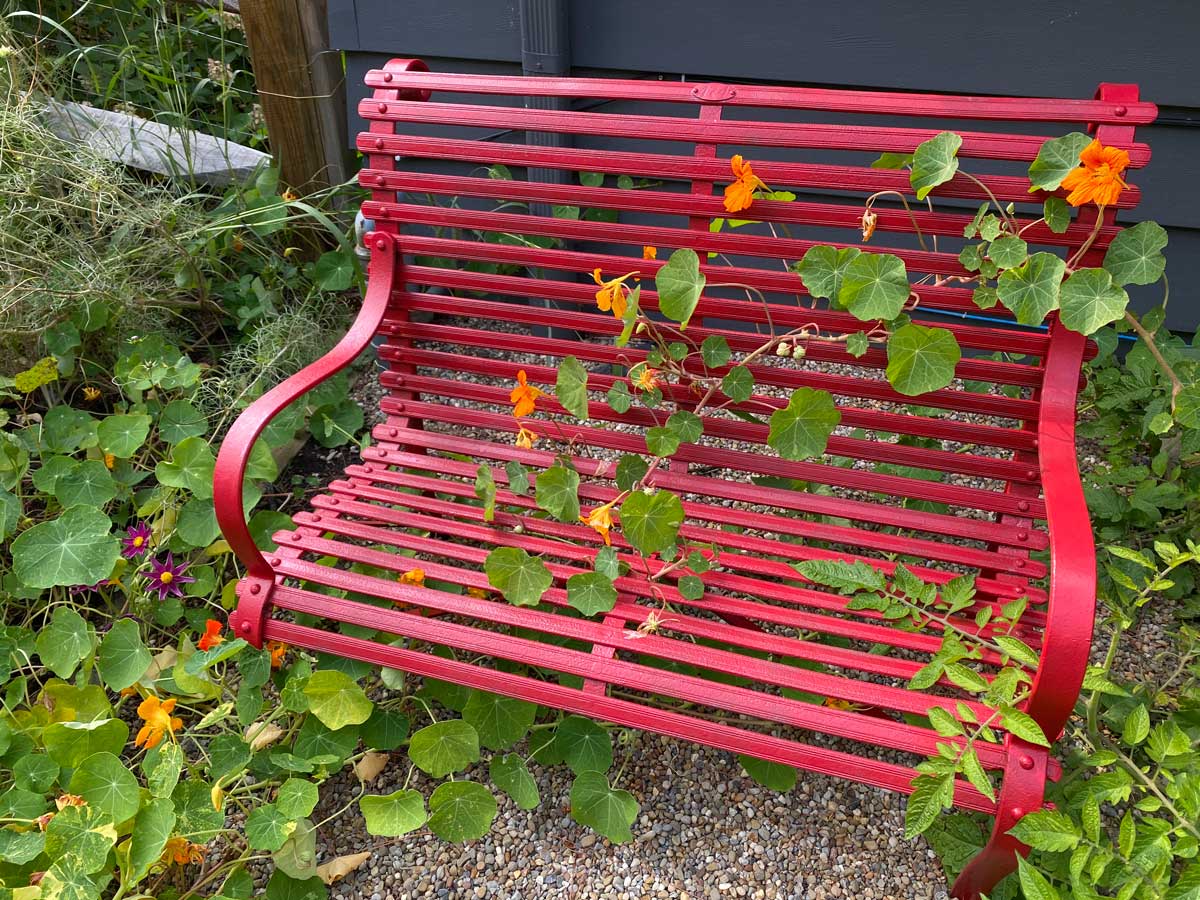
(524, 396)
(211, 636)
(600, 519)
(740, 194)
(109, 460)
(278, 650)
(612, 293)
(649, 252)
(91, 394)
(647, 379)
(414, 577)
(478, 593)
(181, 851)
(1098, 179)
(525, 438)
(65, 800)
(869, 220)
(290, 196)
(159, 721)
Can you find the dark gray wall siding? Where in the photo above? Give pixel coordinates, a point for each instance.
(1023, 47)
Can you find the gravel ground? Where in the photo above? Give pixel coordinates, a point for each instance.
(705, 829)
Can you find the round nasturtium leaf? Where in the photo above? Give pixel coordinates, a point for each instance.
(391, 815)
(444, 747)
(1055, 160)
(336, 699)
(921, 359)
(123, 435)
(595, 804)
(461, 811)
(1089, 300)
(267, 828)
(499, 721)
(591, 593)
(934, 162)
(651, 522)
(874, 286)
(801, 429)
(1031, 289)
(585, 745)
(510, 773)
(1135, 255)
(75, 548)
(680, 283)
(771, 775)
(123, 656)
(521, 578)
(104, 782)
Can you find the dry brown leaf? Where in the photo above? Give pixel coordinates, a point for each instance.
(162, 662)
(371, 764)
(259, 735)
(337, 869)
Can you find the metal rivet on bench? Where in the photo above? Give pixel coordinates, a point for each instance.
(274, 562)
(245, 627)
(1031, 473)
(1023, 505)
(379, 179)
(382, 107)
(316, 517)
(255, 588)
(1025, 762)
(333, 501)
(1022, 535)
(393, 432)
(1016, 812)
(381, 244)
(400, 406)
(387, 76)
(368, 468)
(378, 143)
(1120, 110)
(1020, 563)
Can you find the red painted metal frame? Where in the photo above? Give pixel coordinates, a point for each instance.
(407, 493)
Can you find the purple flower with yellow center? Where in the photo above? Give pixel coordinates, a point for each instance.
(136, 541)
(166, 577)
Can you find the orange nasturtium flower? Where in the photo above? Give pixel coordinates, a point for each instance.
(740, 194)
(600, 519)
(91, 394)
(1098, 179)
(181, 851)
(525, 438)
(478, 593)
(649, 252)
(211, 636)
(278, 650)
(159, 721)
(414, 577)
(524, 396)
(612, 293)
(647, 379)
(64, 800)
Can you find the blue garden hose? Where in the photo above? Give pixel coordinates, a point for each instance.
(996, 320)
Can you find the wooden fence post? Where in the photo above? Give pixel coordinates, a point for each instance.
(300, 81)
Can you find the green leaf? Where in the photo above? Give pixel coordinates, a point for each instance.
(738, 384)
(385, 730)
(934, 162)
(596, 805)
(162, 775)
(19, 848)
(714, 351)
(63, 881)
(444, 747)
(190, 467)
(893, 161)
(267, 828)
(801, 429)
(661, 441)
(679, 284)
(921, 359)
(297, 798)
(931, 794)
(771, 775)
(104, 782)
(395, 814)
(1135, 255)
(81, 836)
(151, 830)
(843, 576)
(585, 745)
(334, 270)
(1023, 726)
(558, 492)
(823, 268)
(1031, 290)
(874, 286)
(518, 477)
(688, 426)
(521, 578)
(180, 420)
(571, 387)
(591, 593)
(985, 297)
(511, 775)
(650, 522)
(1018, 650)
(336, 699)
(485, 490)
(857, 344)
(461, 811)
(499, 721)
(75, 548)
(123, 657)
(973, 769)
(35, 772)
(1055, 159)
(619, 397)
(630, 470)
(1137, 726)
(87, 483)
(973, 228)
(1034, 885)
(690, 587)
(1008, 251)
(1057, 213)
(1089, 300)
(123, 435)
(633, 308)
(69, 743)
(64, 642)
(1048, 830)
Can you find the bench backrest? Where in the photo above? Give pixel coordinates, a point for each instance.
(475, 242)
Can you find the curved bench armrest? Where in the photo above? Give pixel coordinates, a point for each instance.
(1071, 612)
(235, 449)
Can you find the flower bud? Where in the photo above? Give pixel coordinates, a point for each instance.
(799, 352)
(784, 349)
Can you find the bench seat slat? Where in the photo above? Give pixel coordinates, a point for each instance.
(950, 106)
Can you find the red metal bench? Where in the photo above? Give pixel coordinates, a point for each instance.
(1007, 503)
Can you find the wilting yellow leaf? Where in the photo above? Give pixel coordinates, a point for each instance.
(337, 869)
(371, 764)
(259, 735)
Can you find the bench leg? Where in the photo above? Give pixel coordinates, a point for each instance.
(1021, 792)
